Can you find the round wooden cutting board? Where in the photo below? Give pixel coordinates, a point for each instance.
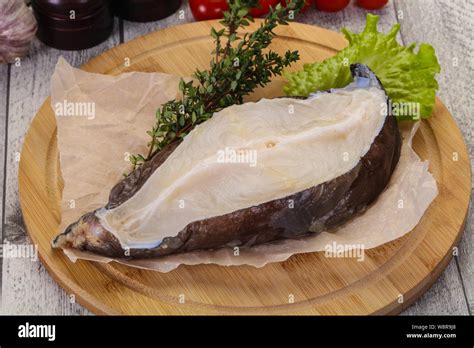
(391, 277)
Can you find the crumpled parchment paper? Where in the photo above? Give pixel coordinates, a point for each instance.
(93, 156)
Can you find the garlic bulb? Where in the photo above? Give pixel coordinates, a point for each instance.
(17, 28)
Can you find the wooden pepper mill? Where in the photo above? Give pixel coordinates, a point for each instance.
(73, 24)
(145, 10)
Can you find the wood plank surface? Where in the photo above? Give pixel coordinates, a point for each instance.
(3, 126)
(449, 26)
(445, 24)
(30, 290)
(465, 260)
(445, 297)
(3, 136)
(29, 87)
(406, 266)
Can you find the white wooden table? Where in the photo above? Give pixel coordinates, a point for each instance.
(26, 287)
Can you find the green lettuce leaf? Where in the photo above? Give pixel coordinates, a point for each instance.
(408, 77)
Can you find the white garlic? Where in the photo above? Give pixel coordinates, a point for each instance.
(17, 28)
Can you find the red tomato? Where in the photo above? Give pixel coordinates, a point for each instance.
(307, 5)
(264, 7)
(208, 9)
(372, 4)
(213, 9)
(331, 5)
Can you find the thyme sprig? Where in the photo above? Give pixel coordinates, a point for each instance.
(238, 66)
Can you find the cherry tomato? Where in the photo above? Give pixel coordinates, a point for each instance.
(372, 4)
(331, 5)
(213, 9)
(208, 9)
(307, 5)
(264, 7)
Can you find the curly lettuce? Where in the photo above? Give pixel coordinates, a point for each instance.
(408, 77)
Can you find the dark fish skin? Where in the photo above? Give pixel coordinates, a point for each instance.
(319, 208)
(128, 186)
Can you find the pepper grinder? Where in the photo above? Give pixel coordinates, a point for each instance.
(145, 10)
(73, 24)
